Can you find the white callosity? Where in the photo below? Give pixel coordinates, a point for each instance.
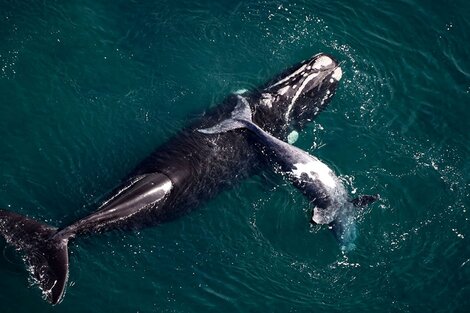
(304, 78)
(322, 62)
(267, 100)
(337, 74)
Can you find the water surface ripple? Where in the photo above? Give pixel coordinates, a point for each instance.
(90, 88)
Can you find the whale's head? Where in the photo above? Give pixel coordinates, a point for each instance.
(296, 96)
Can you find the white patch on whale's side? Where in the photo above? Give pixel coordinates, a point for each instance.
(316, 169)
(321, 216)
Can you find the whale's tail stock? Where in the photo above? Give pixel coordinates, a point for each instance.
(43, 249)
(344, 226)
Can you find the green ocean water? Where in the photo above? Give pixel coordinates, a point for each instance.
(90, 88)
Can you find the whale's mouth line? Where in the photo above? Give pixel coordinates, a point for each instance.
(335, 72)
(287, 78)
(298, 93)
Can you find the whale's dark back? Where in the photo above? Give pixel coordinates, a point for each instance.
(199, 166)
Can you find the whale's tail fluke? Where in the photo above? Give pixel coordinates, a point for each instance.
(44, 251)
(241, 118)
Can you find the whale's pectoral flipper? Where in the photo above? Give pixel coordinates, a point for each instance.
(45, 254)
(136, 197)
(240, 116)
(364, 200)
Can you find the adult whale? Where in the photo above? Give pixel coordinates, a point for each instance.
(189, 168)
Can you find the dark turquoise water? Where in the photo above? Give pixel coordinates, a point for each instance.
(89, 88)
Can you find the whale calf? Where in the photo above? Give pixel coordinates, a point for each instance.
(182, 173)
(310, 175)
